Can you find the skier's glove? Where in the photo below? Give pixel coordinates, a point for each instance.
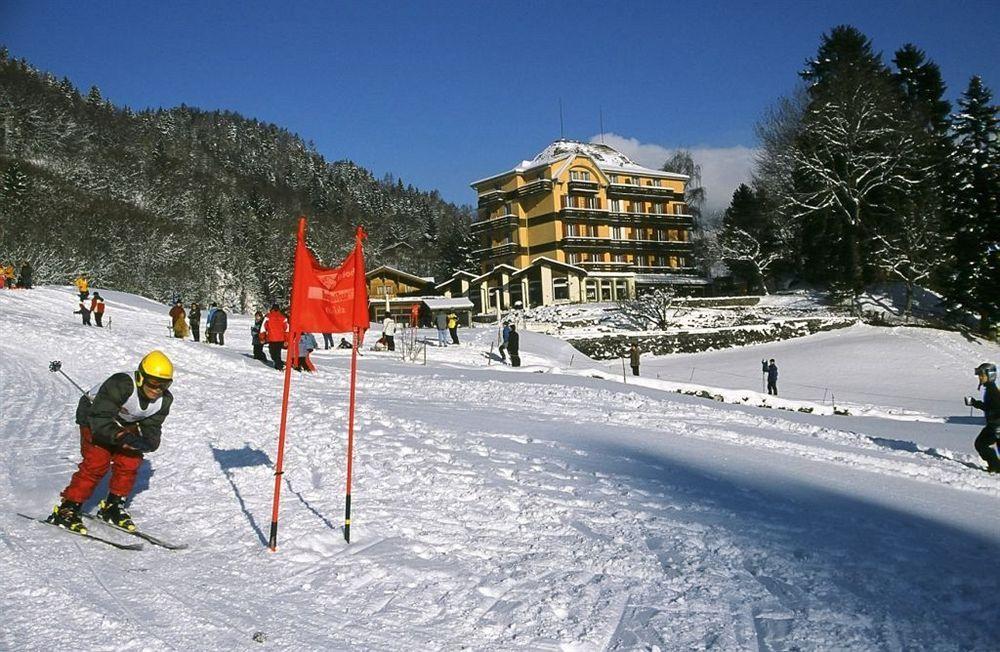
(968, 400)
(134, 441)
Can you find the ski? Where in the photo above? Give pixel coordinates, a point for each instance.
(138, 533)
(87, 535)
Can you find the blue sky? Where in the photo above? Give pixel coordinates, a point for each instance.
(444, 93)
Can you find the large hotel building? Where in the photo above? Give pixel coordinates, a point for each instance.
(581, 222)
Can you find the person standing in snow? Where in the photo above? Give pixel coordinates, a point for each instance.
(505, 340)
(990, 405)
(772, 378)
(389, 332)
(307, 344)
(209, 333)
(255, 340)
(120, 420)
(441, 321)
(275, 333)
(178, 320)
(633, 357)
(25, 279)
(220, 321)
(82, 286)
(327, 341)
(453, 327)
(514, 347)
(97, 307)
(194, 320)
(84, 311)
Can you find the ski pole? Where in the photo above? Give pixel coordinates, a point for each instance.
(56, 365)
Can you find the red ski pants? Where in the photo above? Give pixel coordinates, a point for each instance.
(97, 460)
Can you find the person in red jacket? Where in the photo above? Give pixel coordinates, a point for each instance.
(97, 307)
(275, 333)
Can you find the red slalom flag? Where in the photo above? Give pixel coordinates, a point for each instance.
(328, 299)
(324, 300)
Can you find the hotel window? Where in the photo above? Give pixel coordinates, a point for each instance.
(657, 208)
(655, 183)
(616, 206)
(579, 175)
(573, 259)
(590, 287)
(560, 289)
(637, 206)
(591, 203)
(616, 233)
(621, 258)
(680, 209)
(627, 180)
(572, 230)
(621, 289)
(508, 209)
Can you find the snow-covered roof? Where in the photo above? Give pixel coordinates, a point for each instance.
(460, 272)
(444, 303)
(392, 270)
(552, 262)
(605, 157)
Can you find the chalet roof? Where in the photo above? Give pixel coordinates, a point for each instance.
(386, 269)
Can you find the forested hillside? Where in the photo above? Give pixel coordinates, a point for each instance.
(188, 201)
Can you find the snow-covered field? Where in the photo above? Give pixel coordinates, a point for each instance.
(551, 507)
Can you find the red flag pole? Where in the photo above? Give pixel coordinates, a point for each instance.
(292, 347)
(279, 464)
(350, 436)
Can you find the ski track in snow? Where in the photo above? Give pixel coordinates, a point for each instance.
(492, 510)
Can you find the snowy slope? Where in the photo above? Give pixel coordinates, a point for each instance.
(542, 508)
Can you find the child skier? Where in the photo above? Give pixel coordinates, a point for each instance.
(988, 437)
(120, 423)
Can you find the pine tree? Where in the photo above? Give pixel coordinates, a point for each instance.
(973, 283)
(850, 158)
(748, 240)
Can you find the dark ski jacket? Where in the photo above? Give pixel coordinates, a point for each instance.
(219, 321)
(194, 318)
(990, 403)
(772, 373)
(513, 343)
(108, 414)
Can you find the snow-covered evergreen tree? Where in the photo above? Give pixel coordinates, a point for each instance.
(973, 213)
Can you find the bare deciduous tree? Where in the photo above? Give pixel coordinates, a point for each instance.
(654, 309)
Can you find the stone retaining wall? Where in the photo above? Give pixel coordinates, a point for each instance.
(613, 346)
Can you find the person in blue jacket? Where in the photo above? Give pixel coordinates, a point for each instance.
(307, 344)
(209, 333)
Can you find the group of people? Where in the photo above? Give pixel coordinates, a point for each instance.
(184, 323)
(510, 344)
(9, 280)
(90, 305)
(446, 323)
(272, 330)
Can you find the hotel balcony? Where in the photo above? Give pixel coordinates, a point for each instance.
(538, 185)
(507, 221)
(579, 185)
(491, 197)
(633, 190)
(498, 251)
(608, 244)
(601, 216)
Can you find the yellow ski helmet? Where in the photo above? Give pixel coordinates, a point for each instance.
(156, 365)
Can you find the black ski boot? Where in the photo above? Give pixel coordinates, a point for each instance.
(112, 510)
(67, 515)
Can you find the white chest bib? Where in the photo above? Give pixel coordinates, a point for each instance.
(130, 410)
